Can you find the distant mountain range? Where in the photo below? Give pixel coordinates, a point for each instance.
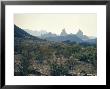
(71, 38)
(78, 37)
(36, 33)
(63, 37)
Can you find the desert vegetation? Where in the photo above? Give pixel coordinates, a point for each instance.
(40, 57)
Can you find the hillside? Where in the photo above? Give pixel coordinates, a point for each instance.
(20, 33)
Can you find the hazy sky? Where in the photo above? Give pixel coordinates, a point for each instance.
(56, 22)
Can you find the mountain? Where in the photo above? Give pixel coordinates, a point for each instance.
(81, 36)
(64, 37)
(92, 41)
(48, 35)
(79, 33)
(36, 33)
(63, 33)
(20, 33)
(71, 38)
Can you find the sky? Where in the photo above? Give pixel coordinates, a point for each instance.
(56, 22)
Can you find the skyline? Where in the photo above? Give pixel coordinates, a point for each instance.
(54, 23)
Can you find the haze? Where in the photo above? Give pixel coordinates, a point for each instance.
(56, 22)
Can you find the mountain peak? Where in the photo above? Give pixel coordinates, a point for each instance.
(63, 33)
(79, 33)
